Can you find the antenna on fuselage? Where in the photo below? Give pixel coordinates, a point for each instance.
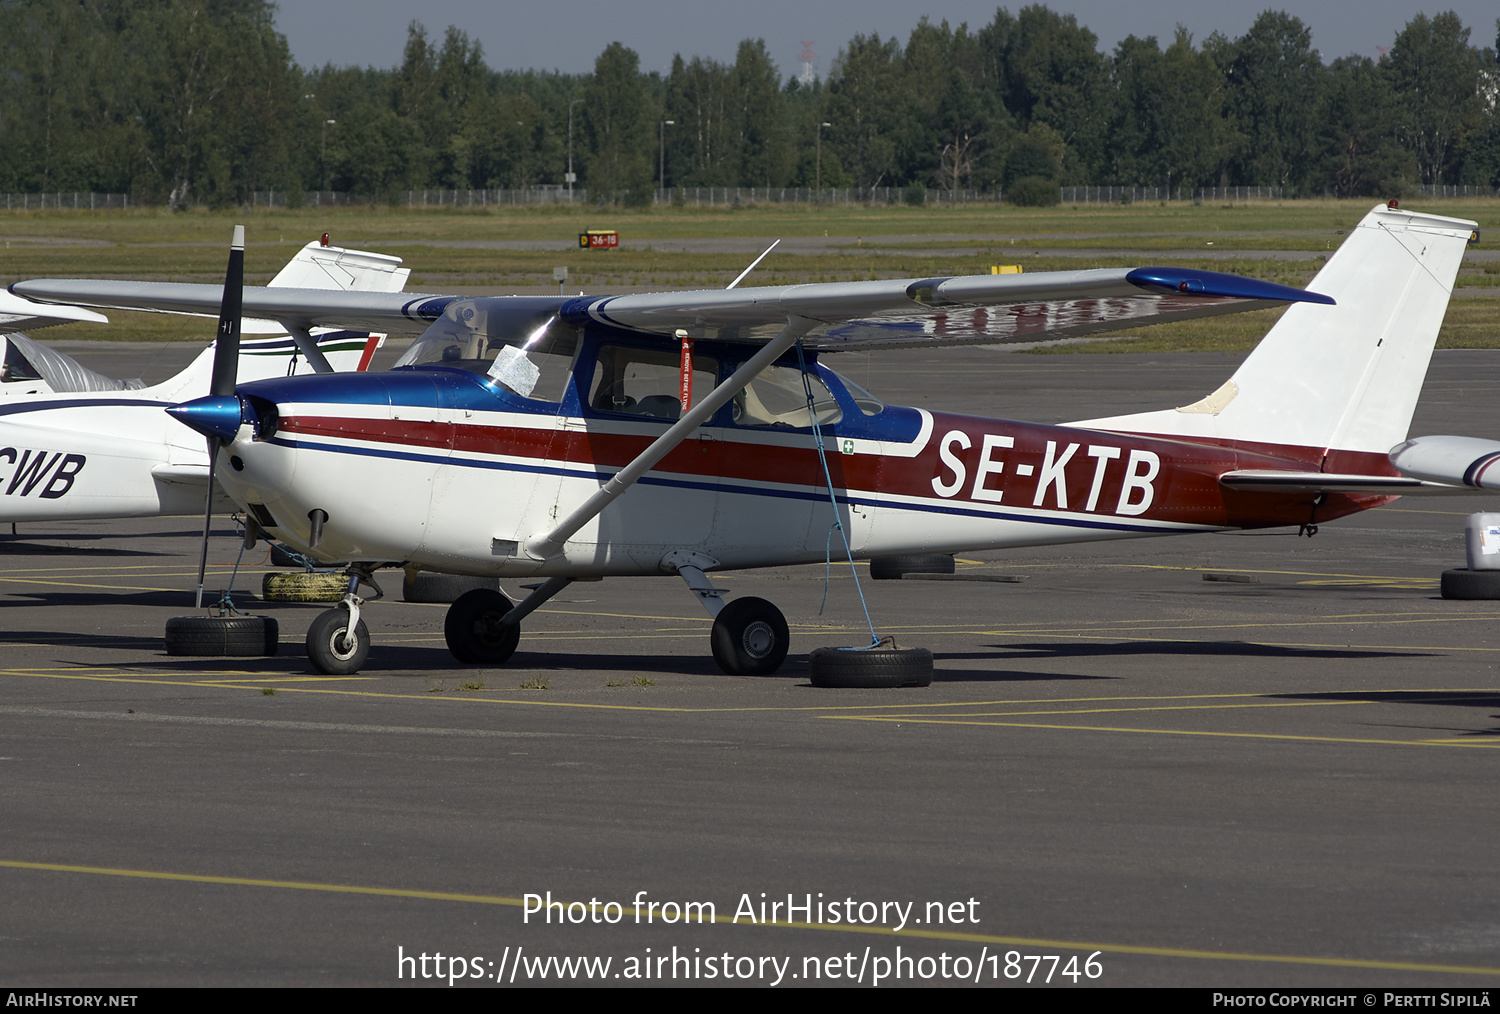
(751, 268)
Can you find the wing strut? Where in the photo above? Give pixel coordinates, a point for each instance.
(308, 346)
(540, 547)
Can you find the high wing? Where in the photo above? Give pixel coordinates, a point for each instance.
(933, 312)
(929, 312)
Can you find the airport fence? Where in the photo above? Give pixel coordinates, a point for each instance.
(709, 196)
(1129, 195)
(74, 201)
(1444, 190)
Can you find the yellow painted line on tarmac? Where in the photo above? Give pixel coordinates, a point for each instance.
(627, 616)
(82, 584)
(1330, 622)
(955, 720)
(923, 934)
(1414, 510)
(864, 712)
(91, 570)
(290, 679)
(1244, 570)
(149, 571)
(1346, 646)
(471, 697)
(1159, 707)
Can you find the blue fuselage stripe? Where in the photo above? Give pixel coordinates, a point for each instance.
(857, 497)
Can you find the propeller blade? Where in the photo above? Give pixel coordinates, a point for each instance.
(227, 344)
(221, 387)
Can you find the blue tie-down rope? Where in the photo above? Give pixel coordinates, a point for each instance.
(838, 524)
(225, 603)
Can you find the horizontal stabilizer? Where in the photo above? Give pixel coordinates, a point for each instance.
(1252, 480)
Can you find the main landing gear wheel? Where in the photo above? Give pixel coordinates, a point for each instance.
(217, 636)
(890, 568)
(474, 632)
(872, 668)
(329, 648)
(750, 638)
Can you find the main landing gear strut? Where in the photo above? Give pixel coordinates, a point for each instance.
(482, 627)
(749, 636)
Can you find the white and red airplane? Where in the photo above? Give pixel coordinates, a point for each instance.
(678, 433)
(77, 445)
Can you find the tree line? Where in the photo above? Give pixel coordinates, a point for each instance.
(199, 102)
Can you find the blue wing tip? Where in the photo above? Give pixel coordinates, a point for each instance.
(1193, 282)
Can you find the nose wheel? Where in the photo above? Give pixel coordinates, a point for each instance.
(332, 648)
(338, 642)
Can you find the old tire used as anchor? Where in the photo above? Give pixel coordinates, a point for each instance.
(303, 586)
(890, 568)
(430, 586)
(1462, 583)
(218, 636)
(874, 668)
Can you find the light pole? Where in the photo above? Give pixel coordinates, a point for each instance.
(571, 177)
(818, 193)
(661, 169)
(323, 158)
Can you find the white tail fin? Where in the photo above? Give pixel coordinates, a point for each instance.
(334, 267)
(1342, 377)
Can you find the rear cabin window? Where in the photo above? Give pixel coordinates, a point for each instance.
(16, 366)
(631, 381)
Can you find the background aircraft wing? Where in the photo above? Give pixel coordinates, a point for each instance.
(976, 309)
(389, 312)
(20, 314)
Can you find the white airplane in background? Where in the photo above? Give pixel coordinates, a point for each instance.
(684, 432)
(77, 445)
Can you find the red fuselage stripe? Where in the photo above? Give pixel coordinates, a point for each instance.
(967, 461)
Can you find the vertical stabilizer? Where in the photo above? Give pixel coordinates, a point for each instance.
(333, 267)
(1343, 377)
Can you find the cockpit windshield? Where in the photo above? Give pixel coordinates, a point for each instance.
(867, 402)
(530, 357)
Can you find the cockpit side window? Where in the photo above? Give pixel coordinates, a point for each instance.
(632, 381)
(16, 366)
(776, 398)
